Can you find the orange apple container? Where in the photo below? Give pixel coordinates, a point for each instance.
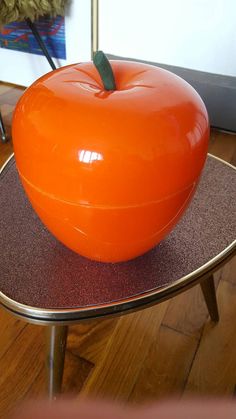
(110, 154)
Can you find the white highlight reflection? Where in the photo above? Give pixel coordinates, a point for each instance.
(87, 156)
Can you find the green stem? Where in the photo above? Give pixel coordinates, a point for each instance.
(105, 71)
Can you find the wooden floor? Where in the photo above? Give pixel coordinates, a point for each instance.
(170, 349)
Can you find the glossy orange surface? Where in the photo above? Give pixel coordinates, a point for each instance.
(110, 173)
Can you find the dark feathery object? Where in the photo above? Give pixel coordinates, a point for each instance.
(18, 10)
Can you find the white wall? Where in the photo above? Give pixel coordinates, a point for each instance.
(196, 34)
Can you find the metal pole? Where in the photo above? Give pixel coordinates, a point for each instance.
(94, 26)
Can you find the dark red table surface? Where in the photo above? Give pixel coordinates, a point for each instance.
(37, 270)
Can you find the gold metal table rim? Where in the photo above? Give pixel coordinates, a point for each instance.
(70, 315)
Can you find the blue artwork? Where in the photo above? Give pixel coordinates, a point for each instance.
(18, 36)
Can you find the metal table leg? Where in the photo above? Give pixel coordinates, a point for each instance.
(2, 129)
(56, 337)
(209, 293)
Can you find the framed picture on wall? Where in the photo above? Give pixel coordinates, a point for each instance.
(68, 40)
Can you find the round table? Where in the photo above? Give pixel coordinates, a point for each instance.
(44, 282)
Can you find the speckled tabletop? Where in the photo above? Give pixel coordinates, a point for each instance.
(37, 270)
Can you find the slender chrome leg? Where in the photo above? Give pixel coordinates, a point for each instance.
(209, 293)
(2, 129)
(56, 337)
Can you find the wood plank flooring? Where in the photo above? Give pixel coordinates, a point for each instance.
(169, 349)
